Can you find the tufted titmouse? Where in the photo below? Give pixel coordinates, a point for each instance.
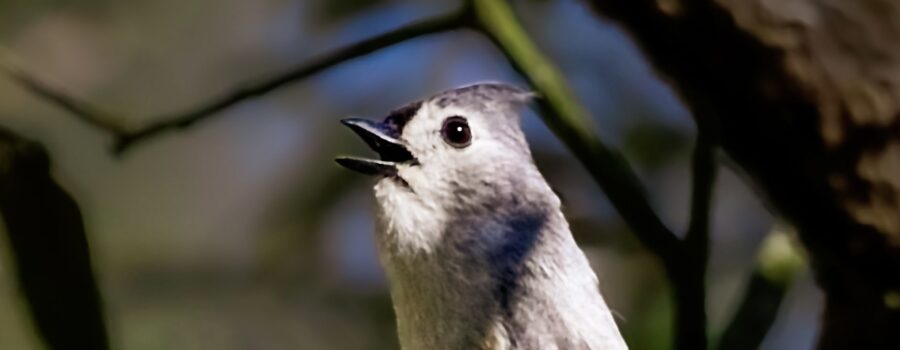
(474, 242)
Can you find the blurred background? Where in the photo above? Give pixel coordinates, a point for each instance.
(241, 232)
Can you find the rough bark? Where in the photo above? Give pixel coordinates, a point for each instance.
(804, 95)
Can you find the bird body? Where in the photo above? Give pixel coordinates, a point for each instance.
(476, 248)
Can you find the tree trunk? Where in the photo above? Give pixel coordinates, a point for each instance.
(804, 95)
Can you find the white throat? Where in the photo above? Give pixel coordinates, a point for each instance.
(516, 280)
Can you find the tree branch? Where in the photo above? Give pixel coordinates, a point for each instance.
(126, 137)
(689, 277)
(778, 263)
(50, 249)
(684, 261)
(81, 110)
(704, 171)
(566, 117)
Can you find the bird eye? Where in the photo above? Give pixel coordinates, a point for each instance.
(456, 132)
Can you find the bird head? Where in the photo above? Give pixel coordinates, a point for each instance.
(459, 156)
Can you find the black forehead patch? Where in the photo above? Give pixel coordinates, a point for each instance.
(398, 118)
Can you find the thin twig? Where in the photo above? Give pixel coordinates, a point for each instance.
(689, 277)
(704, 171)
(125, 137)
(81, 110)
(182, 120)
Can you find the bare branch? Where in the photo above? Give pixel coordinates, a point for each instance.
(689, 276)
(684, 261)
(570, 122)
(83, 111)
(185, 119)
(704, 178)
(126, 137)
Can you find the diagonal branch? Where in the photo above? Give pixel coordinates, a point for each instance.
(704, 171)
(126, 137)
(81, 110)
(684, 260)
(185, 119)
(569, 121)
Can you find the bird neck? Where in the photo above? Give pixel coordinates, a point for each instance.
(521, 284)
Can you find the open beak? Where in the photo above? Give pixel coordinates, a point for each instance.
(382, 138)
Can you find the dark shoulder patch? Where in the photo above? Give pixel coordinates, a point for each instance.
(398, 118)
